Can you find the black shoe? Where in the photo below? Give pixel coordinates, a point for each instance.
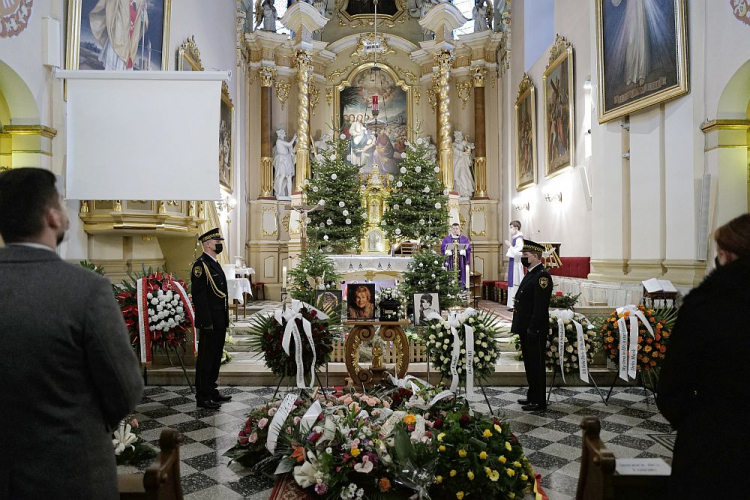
(218, 398)
(523, 401)
(534, 407)
(510, 309)
(209, 405)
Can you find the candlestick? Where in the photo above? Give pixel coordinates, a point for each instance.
(283, 277)
(468, 276)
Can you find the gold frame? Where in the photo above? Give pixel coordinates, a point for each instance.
(561, 52)
(683, 74)
(397, 80)
(189, 53)
(357, 20)
(74, 34)
(526, 91)
(226, 100)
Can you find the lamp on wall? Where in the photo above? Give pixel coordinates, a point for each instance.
(553, 196)
(521, 204)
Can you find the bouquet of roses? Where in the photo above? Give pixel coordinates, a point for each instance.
(578, 339)
(650, 348)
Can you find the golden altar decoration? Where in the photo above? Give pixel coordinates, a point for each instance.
(374, 199)
(388, 331)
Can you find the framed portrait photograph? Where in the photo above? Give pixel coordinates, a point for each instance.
(226, 146)
(424, 304)
(329, 301)
(100, 36)
(642, 54)
(559, 106)
(360, 301)
(525, 134)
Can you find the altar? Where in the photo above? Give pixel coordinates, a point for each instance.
(369, 267)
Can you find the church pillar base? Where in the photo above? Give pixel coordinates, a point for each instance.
(609, 270)
(644, 269)
(685, 272)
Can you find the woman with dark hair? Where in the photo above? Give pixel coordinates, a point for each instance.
(704, 383)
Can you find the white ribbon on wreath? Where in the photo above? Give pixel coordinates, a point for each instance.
(288, 319)
(563, 316)
(629, 347)
(455, 320)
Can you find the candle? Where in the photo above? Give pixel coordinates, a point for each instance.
(468, 276)
(283, 277)
(374, 103)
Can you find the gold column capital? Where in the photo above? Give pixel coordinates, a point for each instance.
(478, 75)
(267, 75)
(444, 59)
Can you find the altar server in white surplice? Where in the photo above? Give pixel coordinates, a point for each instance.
(515, 268)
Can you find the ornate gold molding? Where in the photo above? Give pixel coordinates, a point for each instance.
(478, 75)
(282, 91)
(189, 53)
(413, 77)
(444, 60)
(525, 85)
(369, 42)
(314, 98)
(267, 75)
(303, 60)
(329, 95)
(480, 175)
(417, 95)
(559, 48)
(464, 92)
(266, 167)
(40, 130)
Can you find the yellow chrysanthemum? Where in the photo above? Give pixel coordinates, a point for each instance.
(510, 472)
(441, 436)
(508, 446)
(483, 455)
(460, 495)
(410, 419)
(494, 476)
(487, 433)
(511, 495)
(502, 459)
(438, 479)
(470, 475)
(498, 428)
(462, 453)
(442, 447)
(355, 452)
(453, 472)
(487, 470)
(517, 464)
(524, 477)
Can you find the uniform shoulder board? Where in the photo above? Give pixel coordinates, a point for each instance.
(197, 270)
(544, 282)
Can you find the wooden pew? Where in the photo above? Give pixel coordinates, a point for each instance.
(161, 481)
(598, 479)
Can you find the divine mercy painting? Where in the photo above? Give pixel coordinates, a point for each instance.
(373, 118)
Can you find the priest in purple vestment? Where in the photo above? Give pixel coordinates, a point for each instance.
(464, 255)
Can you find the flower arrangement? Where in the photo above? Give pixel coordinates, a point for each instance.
(391, 304)
(389, 293)
(651, 349)
(168, 317)
(267, 335)
(128, 448)
(572, 350)
(92, 267)
(561, 300)
(438, 337)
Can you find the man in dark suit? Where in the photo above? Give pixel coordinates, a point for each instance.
(209, 289)
(531, 323)
(68, 374)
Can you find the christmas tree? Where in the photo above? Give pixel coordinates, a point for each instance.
(314, 271)
(338, 225)
(418, 204)
(426, 274)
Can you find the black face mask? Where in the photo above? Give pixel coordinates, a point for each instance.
(525, 261)
(218, 248)
(716, 262)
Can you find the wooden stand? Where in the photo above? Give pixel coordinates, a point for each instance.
(389, 331)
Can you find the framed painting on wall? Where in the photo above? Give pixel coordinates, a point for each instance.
(559, 105)
(642, 54)
(373, 111)
(100, 35)
(525, 134)
(226, 146)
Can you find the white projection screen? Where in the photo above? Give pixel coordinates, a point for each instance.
(142, 135)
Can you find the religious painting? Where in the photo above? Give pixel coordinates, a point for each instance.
(525, 135)
(329, 301)
(360, 300)
(118, 34)
(374, 115)
(559, 106)
(357, 13)
(642, 54)
(226, 130)
(357, 7)
(424, 304)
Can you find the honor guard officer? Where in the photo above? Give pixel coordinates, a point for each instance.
(531, 323)
(209, 288)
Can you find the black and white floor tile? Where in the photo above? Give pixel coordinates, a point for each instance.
(631, 428)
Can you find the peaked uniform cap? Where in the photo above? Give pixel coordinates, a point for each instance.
(213, 234)
(533, 246)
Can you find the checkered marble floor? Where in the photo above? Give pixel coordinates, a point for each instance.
(631, 427)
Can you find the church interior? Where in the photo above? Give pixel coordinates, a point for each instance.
(614, 133)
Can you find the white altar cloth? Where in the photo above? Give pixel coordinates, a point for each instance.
(237, 287)
(356, 263)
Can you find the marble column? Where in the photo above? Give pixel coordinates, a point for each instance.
(304, 73)
(480, 145)
(266, 75)
(444, 60)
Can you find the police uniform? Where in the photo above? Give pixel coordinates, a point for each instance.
(531, 323)
(209, 290)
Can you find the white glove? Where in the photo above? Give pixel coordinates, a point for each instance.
(448, 253)
(462, 253)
